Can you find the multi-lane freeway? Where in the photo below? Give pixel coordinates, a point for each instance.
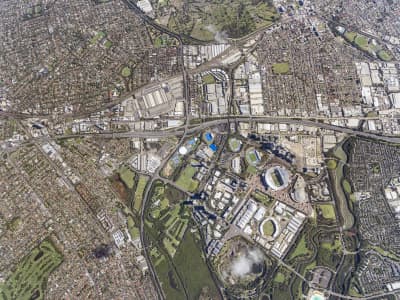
(192, 129)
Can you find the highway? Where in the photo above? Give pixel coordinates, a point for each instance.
(188, 129)
(195, 128)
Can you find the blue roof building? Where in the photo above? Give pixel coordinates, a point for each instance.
(213, 147)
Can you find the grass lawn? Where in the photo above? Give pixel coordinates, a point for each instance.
(328, 211)
(133, 230)
(139, 192)
(332, 164)
(208, 79)
(164, 203)
(268, 228)
(98, 37)
(309, 267)
(251, 157)
(361, 41)
(108, 44)
(263, 198)
(335, 246)
(126, 72)
(186, 181)
(251, 170)
(169, 246)
(343, 206)
(234, 144)
(14, 224)
(193, 269)
(301, 248)
(280, 68)
(279, 277)
(384, 55)
(350, 36)
(174, 216)
(29, 279)
(127, 176)
(346, 186)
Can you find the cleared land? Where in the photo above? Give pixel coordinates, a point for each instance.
(29, 279)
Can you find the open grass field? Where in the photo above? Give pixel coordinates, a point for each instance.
(29, 279)
(346, 186)
(328, 211)
(268, 228)
(193, 270)
(169, 281)
(208, 79)
(251, 157)
(126, 72)
(350, 36)
(361, 41)
(234, 144)
(337, 176)
(301, 248)
(332, 164)
(384, 55)
(280, 68)
(335, 246)
(139, 192)
(127, 176)
(185, 180)
(133, 230)
(279, 278)
(263, 198)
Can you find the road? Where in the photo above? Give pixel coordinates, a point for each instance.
(195, 128)
(188, 129)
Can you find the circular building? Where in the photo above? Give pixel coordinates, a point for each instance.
(183, 150)
(269, 228)
(276, 178)
(299, 190)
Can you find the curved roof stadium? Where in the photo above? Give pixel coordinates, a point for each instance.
(277, 178)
